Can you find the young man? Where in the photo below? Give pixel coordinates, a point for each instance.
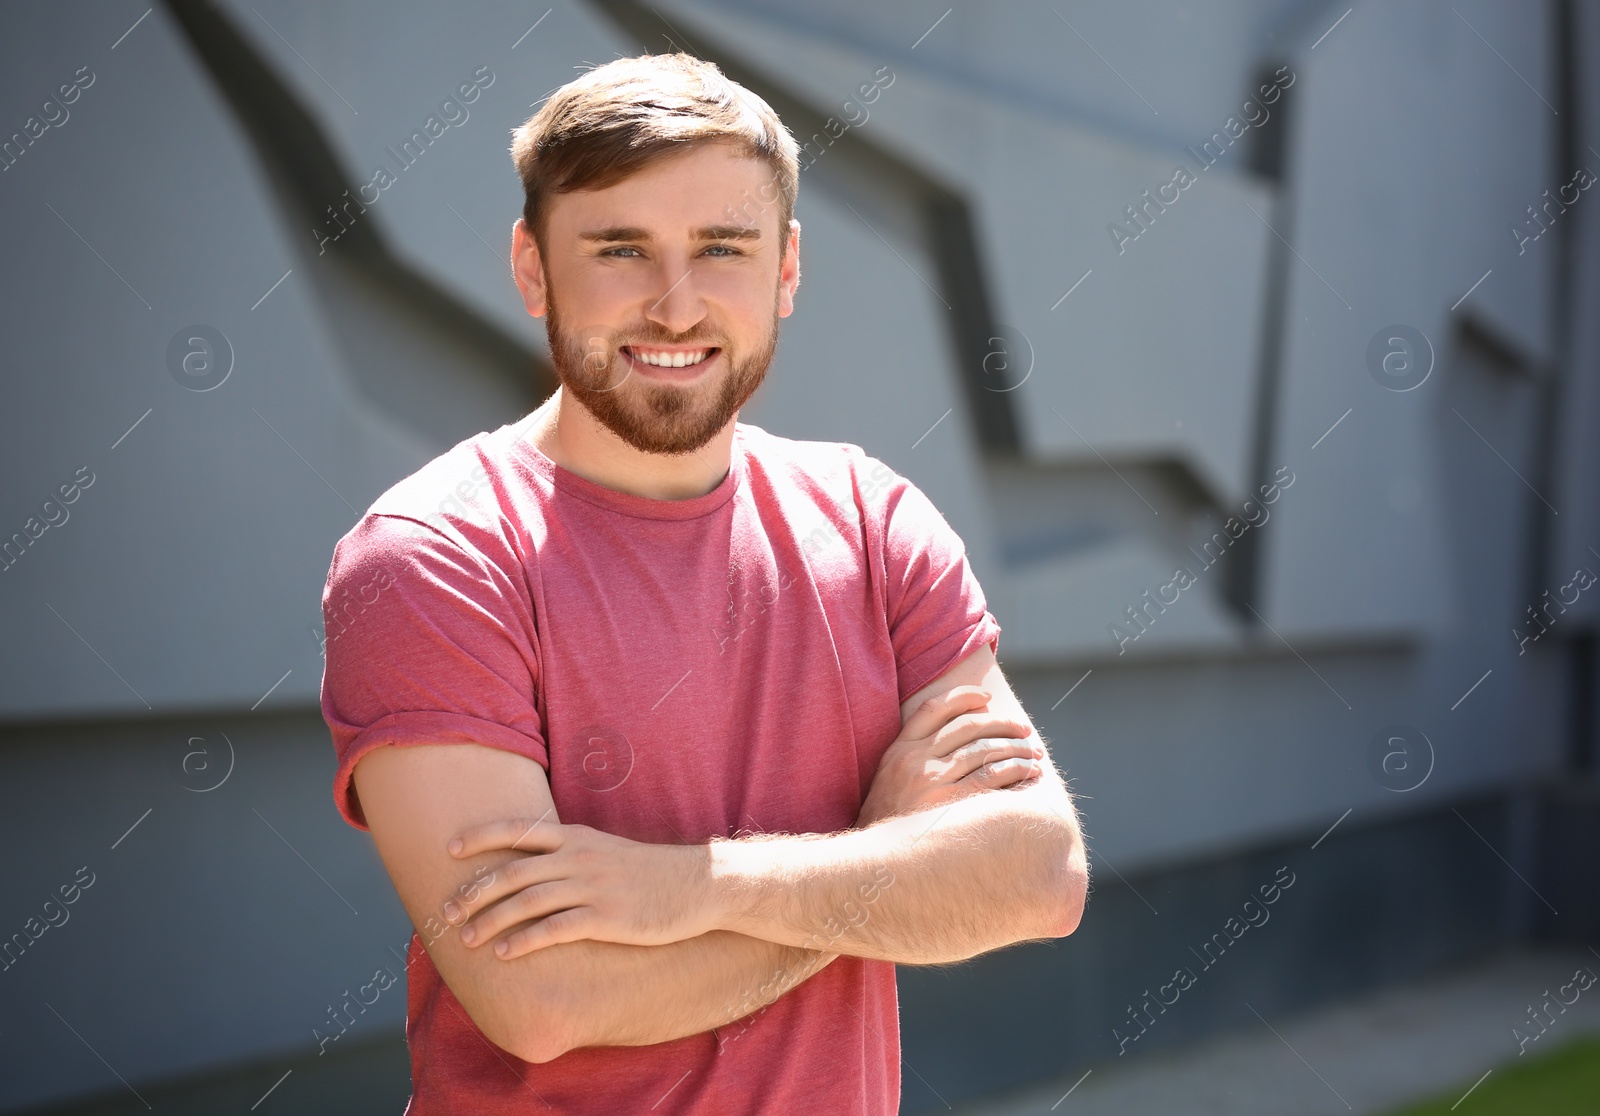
(673, 735)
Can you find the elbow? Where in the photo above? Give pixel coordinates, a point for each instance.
(1068, 889)
(543, 1037)
(529, 1041)
(531, 1033)
(1052, 858)
(1071, 895)
(529, 1044)
(540, 1049)
(519, 1038)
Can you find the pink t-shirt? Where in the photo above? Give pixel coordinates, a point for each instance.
(682, 669)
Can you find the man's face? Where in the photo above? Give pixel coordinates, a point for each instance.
(664, 294)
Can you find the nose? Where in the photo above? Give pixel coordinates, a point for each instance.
(679, 307)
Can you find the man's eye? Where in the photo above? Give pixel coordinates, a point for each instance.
(725, 248)
(614, 251)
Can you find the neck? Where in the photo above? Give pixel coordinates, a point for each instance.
(566, 432)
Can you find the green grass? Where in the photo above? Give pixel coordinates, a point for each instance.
(1565, 1082)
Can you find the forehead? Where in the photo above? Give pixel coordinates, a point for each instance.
(709, 184)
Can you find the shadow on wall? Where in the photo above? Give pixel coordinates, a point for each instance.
(396, 328)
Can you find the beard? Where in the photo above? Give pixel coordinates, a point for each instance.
(654, 417)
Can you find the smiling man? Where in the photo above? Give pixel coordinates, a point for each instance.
(676, 736)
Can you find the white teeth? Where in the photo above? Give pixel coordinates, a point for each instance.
(670, 360)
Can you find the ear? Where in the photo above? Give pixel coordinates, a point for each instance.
(789, 271)
(528, 268)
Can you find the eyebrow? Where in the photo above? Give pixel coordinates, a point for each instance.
(709, 232)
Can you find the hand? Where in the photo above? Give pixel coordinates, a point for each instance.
(950, 747)
(581, 883)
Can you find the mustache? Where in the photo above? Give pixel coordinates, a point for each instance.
(662, 337)
(645, 333)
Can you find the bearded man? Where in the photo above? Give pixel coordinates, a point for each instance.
(676, 736)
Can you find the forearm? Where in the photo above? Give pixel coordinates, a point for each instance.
(624, 995)
(936, 886)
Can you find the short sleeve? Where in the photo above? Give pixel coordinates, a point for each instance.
(936, 609)
(427, 643)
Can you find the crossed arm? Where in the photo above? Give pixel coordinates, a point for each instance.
(603, 941)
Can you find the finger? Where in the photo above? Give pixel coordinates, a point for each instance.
(1003, 773)
(476, 893)
(969, 757)
(936, 712)
(975, 726)
(541, 834)
(508, 879)
(535, 902)
(563, 926)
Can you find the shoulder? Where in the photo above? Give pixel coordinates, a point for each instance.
(841, 472)
(460, 487)
(449, 514)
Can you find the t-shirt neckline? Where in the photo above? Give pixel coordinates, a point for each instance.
(628, 503)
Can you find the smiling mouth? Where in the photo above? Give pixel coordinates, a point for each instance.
(666, 358)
